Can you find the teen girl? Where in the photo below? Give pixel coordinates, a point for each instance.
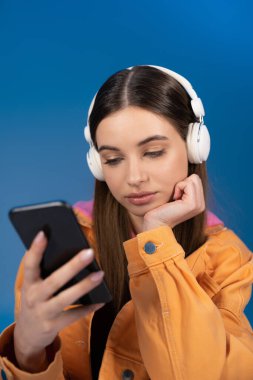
(180, 279)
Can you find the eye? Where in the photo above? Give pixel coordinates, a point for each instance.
(154, 154)
(113, 161)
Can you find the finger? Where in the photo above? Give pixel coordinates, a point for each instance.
(177, 193)
(62, 275)
(33, 258)
(73, 293)
(186, 191)
(193, 177)
(70, 316)
(193, 194)
(200, 199)
(180, 188)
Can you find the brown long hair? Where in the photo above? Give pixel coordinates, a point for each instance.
(156, 91)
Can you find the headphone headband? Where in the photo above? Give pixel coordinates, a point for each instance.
(196, 102)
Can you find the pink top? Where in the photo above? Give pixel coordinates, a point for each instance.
(86, 207)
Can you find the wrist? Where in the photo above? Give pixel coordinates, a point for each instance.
(152, 224)
(29, 359)
(33, 363)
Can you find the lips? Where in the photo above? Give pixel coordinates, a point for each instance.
(141, 198)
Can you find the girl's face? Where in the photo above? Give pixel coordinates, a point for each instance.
(143, 157)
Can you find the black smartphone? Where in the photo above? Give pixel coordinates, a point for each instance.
(65, 239)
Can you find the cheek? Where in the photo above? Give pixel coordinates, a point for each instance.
(173, 171)
(175, 167)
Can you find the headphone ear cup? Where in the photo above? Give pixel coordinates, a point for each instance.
(198, 143)
(93, 158)
(94, 163)
(87, 134)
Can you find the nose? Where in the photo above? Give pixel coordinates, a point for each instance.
(136, 173)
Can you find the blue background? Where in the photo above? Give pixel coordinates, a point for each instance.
(53, 57)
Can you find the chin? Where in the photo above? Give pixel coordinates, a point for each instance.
(142, 211)
(136, 213)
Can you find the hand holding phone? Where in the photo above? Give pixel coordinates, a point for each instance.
(65, 239)
(44, 307)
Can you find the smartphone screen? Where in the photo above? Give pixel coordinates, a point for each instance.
(65, 239)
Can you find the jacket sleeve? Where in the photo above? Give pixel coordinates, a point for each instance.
(8, 366)
(187, 331)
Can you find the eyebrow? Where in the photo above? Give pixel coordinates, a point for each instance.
(143, 142)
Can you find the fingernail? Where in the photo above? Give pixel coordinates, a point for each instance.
(86, 254)
(39, 237)
(97, 276)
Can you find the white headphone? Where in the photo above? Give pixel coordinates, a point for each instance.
(198, 138)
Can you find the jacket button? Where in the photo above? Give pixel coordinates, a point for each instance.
(150, 247)
(4, 377)
(127, 374)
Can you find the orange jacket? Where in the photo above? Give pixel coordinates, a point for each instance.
(185, 320)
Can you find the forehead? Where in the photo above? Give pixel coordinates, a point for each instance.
(133, 124)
